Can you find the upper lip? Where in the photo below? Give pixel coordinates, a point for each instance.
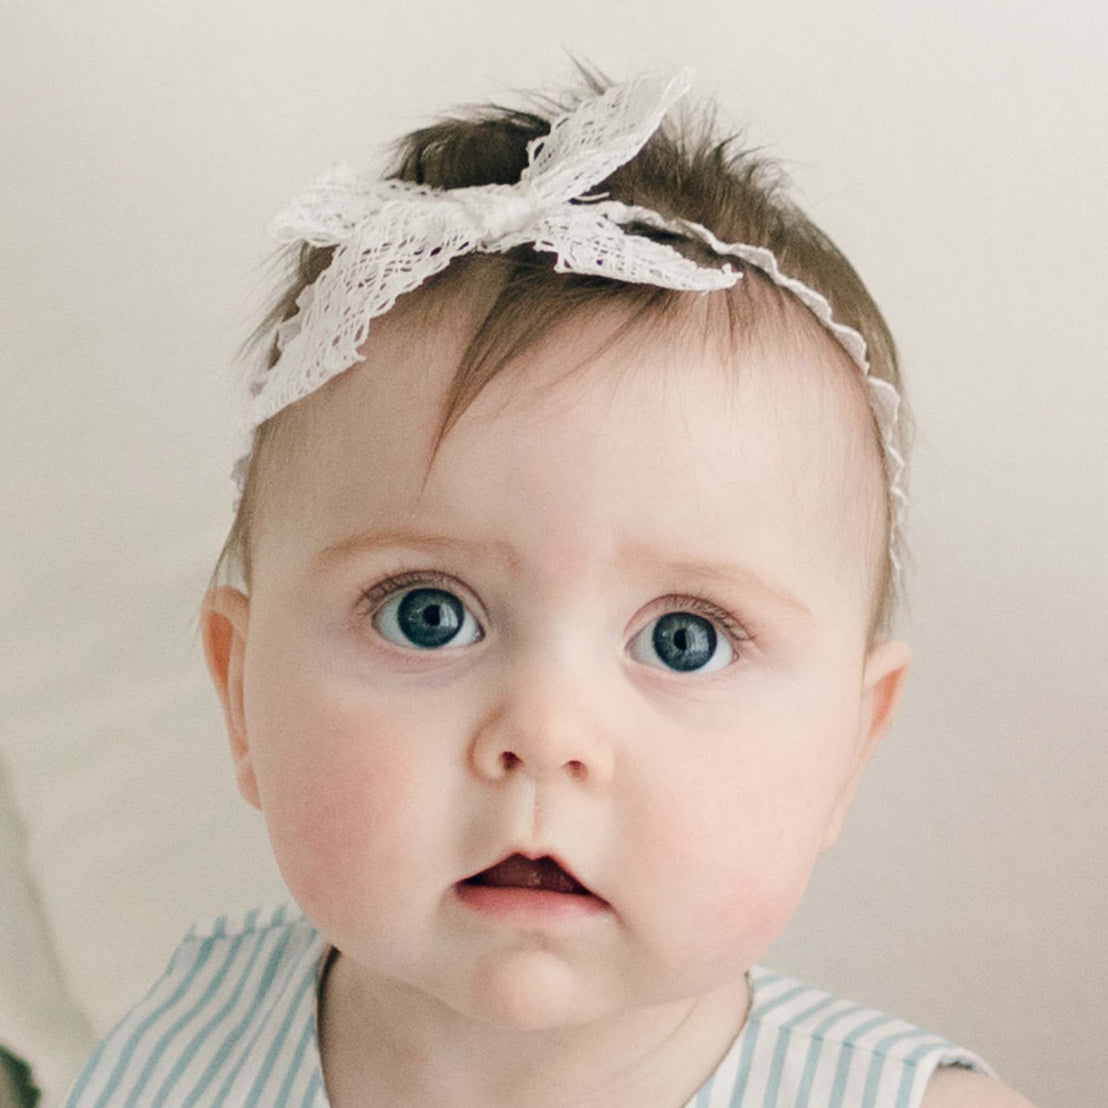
(535, 855)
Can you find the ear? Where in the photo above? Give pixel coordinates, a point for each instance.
(883, 680)
(224, 618)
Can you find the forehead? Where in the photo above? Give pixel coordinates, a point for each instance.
(573, 457)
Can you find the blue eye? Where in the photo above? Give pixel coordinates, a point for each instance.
(685, 642)
(426, 618)
(413, 611)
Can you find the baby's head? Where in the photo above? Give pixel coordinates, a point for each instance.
(574, 567)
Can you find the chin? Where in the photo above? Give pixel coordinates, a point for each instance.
(533, 989)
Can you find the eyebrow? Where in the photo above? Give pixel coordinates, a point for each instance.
(373, 540)
(634, 554)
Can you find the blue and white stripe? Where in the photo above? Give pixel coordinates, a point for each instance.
(233, 1023)
(806, 1048)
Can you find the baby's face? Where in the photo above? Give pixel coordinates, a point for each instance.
(629, 631)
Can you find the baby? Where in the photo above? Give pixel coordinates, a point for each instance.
(565, 561)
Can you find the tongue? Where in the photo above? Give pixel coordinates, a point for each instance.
(520, 872)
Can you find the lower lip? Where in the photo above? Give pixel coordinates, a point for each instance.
(528, 905)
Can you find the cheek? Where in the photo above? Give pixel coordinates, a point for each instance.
(767, 862)
(337, 787)
(737, 864)
(734, 832)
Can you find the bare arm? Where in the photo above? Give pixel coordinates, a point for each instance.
(955, 1087)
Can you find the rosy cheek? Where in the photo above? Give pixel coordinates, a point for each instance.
(773, 868)
(736, 857)
(334, 797)
(760, 901)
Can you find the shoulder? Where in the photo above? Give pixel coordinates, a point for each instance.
(956, 1077)
(236, 987)
(254, 921)
(955, 1087)
(279, 937)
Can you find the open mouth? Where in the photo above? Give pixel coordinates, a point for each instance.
(531, 892)
(520, 872)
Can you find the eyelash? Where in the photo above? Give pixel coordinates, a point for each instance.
(699, 603)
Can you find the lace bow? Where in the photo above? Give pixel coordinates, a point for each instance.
(391, 236)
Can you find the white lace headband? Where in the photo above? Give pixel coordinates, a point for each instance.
(391, 236)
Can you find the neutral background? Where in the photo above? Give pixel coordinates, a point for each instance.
(957, 151)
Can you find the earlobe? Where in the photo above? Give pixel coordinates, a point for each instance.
(883, 678)
(225, 618)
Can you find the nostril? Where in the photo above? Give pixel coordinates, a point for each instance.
(509, 760)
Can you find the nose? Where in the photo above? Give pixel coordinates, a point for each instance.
(546, 726)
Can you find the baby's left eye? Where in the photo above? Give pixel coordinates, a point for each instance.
(685, 642)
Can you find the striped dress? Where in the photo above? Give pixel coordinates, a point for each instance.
(232, 1022)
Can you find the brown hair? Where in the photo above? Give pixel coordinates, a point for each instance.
(685, 170)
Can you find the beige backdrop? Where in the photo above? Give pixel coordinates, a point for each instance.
(956, 150)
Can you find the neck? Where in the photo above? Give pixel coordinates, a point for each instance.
(382, 1042)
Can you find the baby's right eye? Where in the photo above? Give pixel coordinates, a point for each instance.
(425, 617)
